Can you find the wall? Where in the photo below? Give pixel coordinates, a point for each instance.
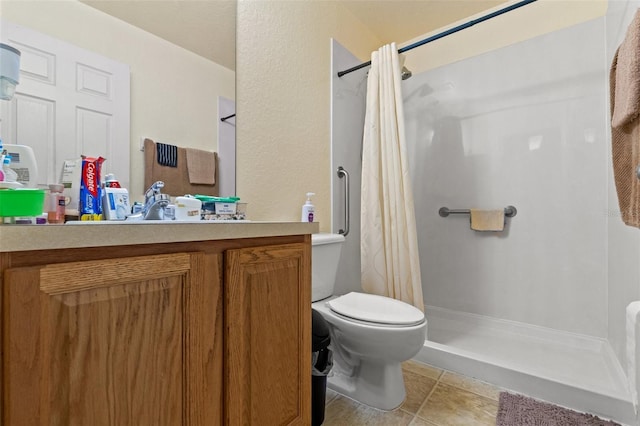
(348, 104)
(522, 125)
(283, 97)
(173, 91)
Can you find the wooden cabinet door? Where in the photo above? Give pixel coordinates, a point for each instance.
(267, 335)
(129, 341)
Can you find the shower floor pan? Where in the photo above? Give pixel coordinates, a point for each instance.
(571, 370)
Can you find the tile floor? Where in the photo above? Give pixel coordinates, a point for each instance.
(434, 398)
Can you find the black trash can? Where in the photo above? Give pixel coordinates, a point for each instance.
(320, 366)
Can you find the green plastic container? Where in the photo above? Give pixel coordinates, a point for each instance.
(21, 202)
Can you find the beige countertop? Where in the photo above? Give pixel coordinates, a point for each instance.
(98, 234)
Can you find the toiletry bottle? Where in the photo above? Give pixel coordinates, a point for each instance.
(2, 154)
(9, 174)
(55, 211)
(308, 209)
(110, 181)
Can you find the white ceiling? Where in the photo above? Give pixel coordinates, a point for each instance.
(208, 27)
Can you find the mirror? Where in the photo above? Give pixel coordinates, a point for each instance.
(181, 65)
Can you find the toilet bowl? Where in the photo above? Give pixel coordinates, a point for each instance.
(371, 335)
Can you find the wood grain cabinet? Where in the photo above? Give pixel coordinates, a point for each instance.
(184, 334)
(268, 320)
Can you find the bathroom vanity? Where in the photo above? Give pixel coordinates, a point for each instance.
(156, 324)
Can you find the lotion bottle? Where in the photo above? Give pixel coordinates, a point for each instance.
(308, 209)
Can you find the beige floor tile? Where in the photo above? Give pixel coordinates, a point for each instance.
(331, 394)
(422, 369)
(418, 388)
(421, 422)
(343, 411)
(451, 406)
(471, 385)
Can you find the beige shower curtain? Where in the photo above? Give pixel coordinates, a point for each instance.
(390, 265)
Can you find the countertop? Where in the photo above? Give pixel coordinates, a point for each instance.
(99, 234)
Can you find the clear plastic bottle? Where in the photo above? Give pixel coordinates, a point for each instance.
(55, 211)
(1, 161)
(9, 174)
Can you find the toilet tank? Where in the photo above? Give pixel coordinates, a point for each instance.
(325, 255)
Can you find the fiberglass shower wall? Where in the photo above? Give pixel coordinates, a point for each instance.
(523, 125)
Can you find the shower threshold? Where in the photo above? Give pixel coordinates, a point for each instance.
(571, 370)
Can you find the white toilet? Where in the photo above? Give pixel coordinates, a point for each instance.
(370, 335)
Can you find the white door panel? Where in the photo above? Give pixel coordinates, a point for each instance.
(69, 102)
(39, 130)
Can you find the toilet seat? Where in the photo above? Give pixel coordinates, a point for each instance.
(374, 309)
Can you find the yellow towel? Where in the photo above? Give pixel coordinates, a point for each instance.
(201, 166)
(487, 220)
(624, 80)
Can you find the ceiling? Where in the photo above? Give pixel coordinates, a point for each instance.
(205, 27)
(402, 20)
(208, 27)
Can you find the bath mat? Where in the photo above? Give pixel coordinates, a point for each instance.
(518, 410)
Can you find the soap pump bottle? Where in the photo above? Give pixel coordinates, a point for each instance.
(308, 209)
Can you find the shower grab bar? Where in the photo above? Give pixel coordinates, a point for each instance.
(509, 211)
(342, 173)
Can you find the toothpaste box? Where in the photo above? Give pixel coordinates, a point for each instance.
(90, 202)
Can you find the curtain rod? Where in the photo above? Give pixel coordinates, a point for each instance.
(446, 33)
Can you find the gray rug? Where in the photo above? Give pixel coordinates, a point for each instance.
(518, 410)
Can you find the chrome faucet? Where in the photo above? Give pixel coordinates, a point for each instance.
(155, 202)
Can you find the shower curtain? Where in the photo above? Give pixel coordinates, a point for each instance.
(390, 264)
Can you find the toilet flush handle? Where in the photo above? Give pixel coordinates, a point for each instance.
(342, 173)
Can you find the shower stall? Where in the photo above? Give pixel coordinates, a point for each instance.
(540, 307)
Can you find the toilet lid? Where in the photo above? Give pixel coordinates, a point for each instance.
(376, 309)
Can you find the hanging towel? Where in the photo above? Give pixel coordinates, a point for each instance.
(487, 220)
(633, 340)
(167, 155)
(201, 166)
(624, 80)
(176, 179)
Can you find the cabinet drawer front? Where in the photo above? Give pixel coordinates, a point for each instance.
(103, 342)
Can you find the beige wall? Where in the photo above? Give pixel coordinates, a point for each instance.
(283, 99)
(529, 21)
(173, 91)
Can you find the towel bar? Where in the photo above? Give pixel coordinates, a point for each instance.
(342, 173)
(509, 211)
